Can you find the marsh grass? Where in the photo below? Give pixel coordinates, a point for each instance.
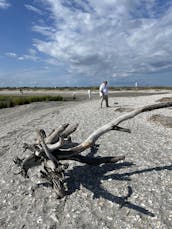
(11, 101)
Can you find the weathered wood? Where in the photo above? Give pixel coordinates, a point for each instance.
(46, 150)
(28, 163)
(55, 178)
(54, 136)
(69, 130)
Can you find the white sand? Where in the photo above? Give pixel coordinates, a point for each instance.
(96, 192)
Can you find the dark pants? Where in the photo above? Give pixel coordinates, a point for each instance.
(104, 97)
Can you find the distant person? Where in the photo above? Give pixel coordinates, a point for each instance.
(89, 94)
(103, 90)
(21, 91)
(136, 84)
(74, 95)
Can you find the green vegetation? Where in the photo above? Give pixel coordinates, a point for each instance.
(11, 101)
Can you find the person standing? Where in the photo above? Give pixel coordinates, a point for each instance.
(103, 90)
(89, 94)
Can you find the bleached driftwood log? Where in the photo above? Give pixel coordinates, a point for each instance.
(49, 150)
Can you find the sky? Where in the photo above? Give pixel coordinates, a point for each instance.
(54, 43)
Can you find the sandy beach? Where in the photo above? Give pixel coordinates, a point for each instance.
(96, 193)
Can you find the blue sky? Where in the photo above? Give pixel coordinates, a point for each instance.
(84, 42)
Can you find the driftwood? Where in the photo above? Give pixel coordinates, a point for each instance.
(50, 150)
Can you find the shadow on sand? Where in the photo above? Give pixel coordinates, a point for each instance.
(91, 176)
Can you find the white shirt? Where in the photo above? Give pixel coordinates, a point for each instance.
(103, 88)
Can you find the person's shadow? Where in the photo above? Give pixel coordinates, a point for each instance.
(90, 177)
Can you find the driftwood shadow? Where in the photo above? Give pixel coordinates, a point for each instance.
(91, 176)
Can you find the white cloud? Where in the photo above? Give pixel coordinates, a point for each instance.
(28, 57)
(44, 30)
(11, 54)
(108, 37)
(4, 4)
(33, 9)
(32, 55)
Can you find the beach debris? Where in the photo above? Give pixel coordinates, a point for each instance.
(166, 121)
(48, 151)
(165, 99)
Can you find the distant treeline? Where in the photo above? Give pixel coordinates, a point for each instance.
(86, 88)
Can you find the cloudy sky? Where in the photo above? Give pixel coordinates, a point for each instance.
(83, 42)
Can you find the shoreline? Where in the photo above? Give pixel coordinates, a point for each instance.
(81, 95)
